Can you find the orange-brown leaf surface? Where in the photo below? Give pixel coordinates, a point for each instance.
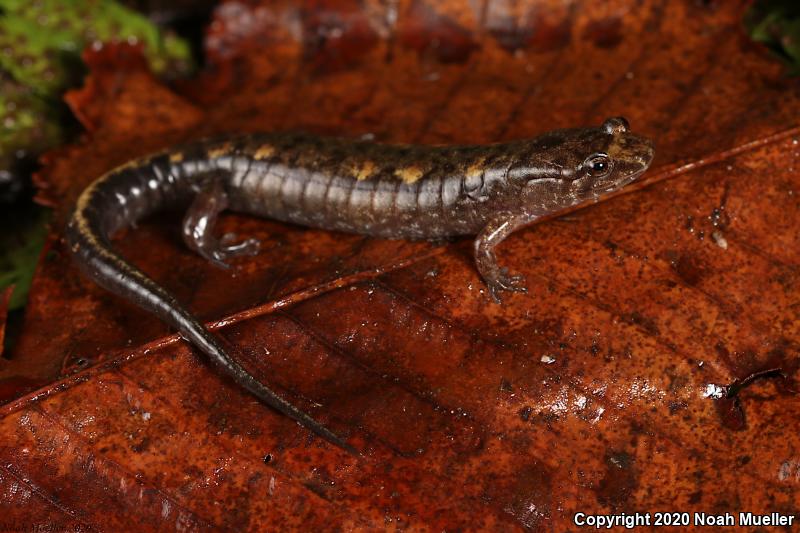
(650, 367)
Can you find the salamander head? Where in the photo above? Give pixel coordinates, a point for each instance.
(583, 164)
(623, 158)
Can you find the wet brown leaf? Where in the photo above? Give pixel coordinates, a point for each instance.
(650, 367)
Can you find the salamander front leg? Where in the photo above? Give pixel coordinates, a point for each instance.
(498, 278)
(199, 223)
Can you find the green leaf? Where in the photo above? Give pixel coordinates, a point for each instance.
(776, 24)
(19, 251)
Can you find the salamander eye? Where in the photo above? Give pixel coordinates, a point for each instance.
(598, 165)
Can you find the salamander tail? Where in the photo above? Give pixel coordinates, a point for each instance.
(89, 245)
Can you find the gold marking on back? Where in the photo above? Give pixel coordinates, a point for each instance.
(219, 151)
(265, 151)
(476, 168)
(176, 157)
(363, 171)
(409, 174)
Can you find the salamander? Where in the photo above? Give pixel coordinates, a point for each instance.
(383, 190)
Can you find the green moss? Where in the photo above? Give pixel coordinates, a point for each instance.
(41, 40)
(29, 121)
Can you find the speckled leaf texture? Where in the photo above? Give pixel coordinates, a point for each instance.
(651, 366)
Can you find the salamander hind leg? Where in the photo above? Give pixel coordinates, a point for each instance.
(200, 221)
(498, 278)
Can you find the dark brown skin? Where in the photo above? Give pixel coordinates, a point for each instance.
(393, 191)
